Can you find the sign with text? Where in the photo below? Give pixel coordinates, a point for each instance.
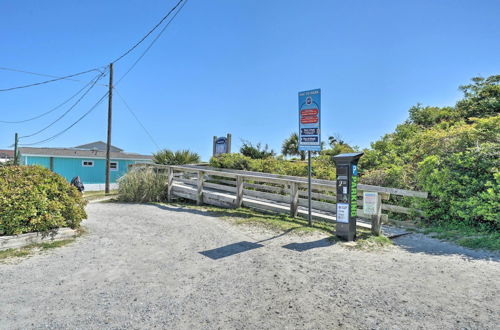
(220, 146)
(343, 212)
(370, 203)
(310, 120)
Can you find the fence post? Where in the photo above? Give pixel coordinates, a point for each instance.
(377, 218)
(239, 191)
(170, 181)
(294, 199)
(199, 193)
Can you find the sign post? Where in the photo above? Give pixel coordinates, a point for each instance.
(372, 205)
(310, 131)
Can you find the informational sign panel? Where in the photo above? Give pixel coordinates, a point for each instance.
(220, 145)
(343, 212)
(310, 120)
(370, 203)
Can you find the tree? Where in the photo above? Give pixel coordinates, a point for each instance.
(180, 157)
(290, 147)
(256, 152)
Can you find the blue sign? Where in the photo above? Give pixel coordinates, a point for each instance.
(310, 120)
(354, 170)
(220, 146)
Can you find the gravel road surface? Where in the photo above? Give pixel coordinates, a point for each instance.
(149, 266)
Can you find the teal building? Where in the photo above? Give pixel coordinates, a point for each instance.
(87, 161)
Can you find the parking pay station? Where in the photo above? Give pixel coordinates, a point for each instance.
(347, 182)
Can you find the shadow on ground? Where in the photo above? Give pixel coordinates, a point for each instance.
(300, 247)
(419, 243)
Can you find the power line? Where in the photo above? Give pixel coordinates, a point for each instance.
(33, 73)
(51, 110)
(152, 43)
(67, 111)
(97, 69)
(69, 127)
(136, 118)
(48, 81)
(147, 34)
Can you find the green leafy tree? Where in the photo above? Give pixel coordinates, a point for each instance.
(179, 157)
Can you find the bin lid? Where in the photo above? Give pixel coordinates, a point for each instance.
(347, 158)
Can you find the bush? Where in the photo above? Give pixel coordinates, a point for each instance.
(34, 199)
(143, 185)
(180, 157)
(323, 168)
(464, 186)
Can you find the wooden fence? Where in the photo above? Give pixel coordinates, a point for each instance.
(271, 192)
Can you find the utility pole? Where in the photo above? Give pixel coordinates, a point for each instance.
(110, 111)
(16, 139)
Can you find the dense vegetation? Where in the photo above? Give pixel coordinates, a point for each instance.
(451, 152)
(34, 199)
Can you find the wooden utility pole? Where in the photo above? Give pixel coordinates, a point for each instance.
(110, 112)
(15, 149)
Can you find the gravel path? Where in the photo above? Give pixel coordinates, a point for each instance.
(147, 266)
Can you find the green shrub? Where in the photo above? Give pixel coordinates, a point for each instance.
(464, 186)
(233, 161)
(34, 199)
(143, 185)
(323, 168)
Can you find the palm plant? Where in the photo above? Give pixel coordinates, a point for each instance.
(290, 147)
(179, 157)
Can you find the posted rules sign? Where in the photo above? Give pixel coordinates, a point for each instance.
(310, 120)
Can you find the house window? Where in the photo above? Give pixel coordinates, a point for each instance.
(113, 166)
(87, 163)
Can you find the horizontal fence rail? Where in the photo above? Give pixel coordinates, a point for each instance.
(271, 192)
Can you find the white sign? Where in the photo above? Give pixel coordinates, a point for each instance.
(370, 203)
(343, 212)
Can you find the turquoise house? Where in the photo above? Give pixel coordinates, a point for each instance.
(87, 161)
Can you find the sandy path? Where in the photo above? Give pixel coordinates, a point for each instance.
(140, 267)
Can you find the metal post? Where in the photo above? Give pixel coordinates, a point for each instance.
(15, 149)
(110, 110)
(309, 187)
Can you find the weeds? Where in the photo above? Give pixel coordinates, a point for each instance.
(461, 234)
(29, 249)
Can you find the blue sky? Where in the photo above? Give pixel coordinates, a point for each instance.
(236, 66)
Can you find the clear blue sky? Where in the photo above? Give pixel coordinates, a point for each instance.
(236, 66)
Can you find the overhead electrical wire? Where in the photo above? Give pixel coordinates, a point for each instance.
(33, 73)
(48, 81)
(69, 127)
(136, 118)
(94, 69)
(151, 44)
(67, 111)
(147, 34)
(51, 110)
(94, 81)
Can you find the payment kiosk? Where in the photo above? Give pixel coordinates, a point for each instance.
(347, 194)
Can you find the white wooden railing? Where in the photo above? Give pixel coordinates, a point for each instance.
(278, 193)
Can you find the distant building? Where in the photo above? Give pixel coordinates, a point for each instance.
(87, 161)
(6, 155)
